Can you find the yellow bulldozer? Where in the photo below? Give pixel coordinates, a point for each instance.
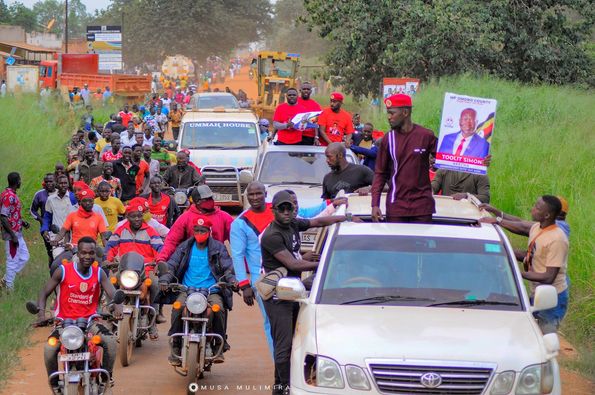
(275, 73)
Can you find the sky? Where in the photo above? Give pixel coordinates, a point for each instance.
(92, 5)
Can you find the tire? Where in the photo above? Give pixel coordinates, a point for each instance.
(125, 344)
(192, 361)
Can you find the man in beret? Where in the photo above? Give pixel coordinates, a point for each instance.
(335, 123)
(403, 161)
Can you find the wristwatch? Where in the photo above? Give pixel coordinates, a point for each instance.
(348, 217)
(499, 220)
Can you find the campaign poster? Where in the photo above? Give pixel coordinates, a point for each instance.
(107, 42)
(466, 133)
(392, 86)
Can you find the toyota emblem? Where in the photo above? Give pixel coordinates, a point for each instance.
(430, 380)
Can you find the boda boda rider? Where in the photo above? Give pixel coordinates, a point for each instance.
(200, 262)
(79, 283)
(135, 235)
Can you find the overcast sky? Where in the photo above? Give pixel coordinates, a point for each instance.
(92, 5)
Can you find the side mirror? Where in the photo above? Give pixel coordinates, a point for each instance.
(32, 307)
(246, 177)
(291, 289)
(119, 296)
(546, 297)
(551, 343)
(162, 269)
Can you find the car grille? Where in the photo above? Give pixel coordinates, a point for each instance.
(407, 379)
(227, 190)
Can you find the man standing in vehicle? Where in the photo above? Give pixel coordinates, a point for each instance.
(311, 134)
(343, 175)
(284, 113)
(335, 123)
(200, 262)
(80, 279)
(181, 175)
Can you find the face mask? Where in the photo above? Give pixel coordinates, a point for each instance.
(201, 237)
(207, 205)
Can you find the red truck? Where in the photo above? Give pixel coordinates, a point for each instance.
(70, 70)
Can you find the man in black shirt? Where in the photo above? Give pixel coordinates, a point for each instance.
(280, 245)
(344, 175)
(126, 171)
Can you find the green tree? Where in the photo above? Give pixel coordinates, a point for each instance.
(22, 16)
(531, 41)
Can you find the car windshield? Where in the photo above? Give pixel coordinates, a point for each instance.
(294, 167)
(225, 101)
(220, 134)
(419, 271)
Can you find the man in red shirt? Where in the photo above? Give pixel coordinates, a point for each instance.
(403, 160)
(308, 135)
(286, 133)
(335, 123)
(162, 207)
(126, 115)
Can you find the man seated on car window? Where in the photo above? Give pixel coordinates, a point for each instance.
(199, 263)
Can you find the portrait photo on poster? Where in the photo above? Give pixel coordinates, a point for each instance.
(466, 131)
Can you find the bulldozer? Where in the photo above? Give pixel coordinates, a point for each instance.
(275, 73)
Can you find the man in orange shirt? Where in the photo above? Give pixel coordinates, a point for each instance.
(84, 221)
(335, 123)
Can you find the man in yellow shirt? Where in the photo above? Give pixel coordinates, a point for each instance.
(111, 206)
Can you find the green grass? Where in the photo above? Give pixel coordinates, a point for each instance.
(543, 144)
(31, 143)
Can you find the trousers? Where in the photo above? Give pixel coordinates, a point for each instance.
(15, 260)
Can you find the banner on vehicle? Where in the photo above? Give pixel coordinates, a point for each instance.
(466, 133)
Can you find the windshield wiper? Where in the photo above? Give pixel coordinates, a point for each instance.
(473, 303)
(242, 147)
(388, 298)
(211, 146)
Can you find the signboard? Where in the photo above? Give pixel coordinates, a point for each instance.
(10, 60)
(107, 42)
(466, 133)
(391, 86)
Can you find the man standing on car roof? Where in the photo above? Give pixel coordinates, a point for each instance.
(311, 134)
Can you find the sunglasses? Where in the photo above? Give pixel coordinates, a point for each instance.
(284, 208)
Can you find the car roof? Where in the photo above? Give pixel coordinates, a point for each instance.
(222, 115)
(206, 94)
(266, 147)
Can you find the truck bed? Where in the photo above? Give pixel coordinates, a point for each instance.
(120, 84)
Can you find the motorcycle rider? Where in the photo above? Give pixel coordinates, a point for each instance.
(181, 175)
(80, 279)
(200, 262)
(137, 236)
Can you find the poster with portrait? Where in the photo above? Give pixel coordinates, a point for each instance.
(392, 86)
(466, 133)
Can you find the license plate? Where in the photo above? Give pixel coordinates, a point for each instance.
(80, 356)
(74, 378)
(127, 309)
(194, 337)
(308, 237)
(222, 197)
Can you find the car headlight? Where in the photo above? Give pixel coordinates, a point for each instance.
(536, 379)
(180, 198)
(72, 337)
(129, 279)
(503, 383)
(356, 378)
(328, 373)
(196, 303)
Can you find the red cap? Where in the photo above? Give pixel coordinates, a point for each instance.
(398, 100)
(79, 185)
(337, 96)
(137, 204)
(85, 193)
(203, 220)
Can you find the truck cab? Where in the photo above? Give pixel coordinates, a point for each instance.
(48, 74)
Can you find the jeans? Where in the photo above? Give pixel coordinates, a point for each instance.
(266, 324)
(15, 260)
(108, 342)
(283, 316)
(549, 320)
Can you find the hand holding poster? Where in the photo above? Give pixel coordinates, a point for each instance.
(305, 120)
(465, 133)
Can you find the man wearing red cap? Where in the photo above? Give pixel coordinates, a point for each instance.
(403, 161)
(335, 123)
(284, 113)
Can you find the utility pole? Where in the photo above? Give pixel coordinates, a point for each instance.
(66, 26)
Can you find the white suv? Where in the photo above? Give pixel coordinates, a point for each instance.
(420, 309)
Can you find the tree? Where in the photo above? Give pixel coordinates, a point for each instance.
(22, 16)
(78, 17)
(531, 41)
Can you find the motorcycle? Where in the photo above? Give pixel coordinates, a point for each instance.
(138, 314)
(80, 355)
(180, 196)
(251, 74)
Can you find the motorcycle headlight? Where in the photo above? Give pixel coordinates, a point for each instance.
(503, 383)
(129, 279)
(328, 373)
(72, 337)
(536, 379)
(196, 303)
(180, 198)
(356, 378)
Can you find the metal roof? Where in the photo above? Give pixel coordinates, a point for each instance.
(27, 47)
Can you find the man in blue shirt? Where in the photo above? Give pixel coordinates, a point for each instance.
(37, 209)
(199, 263)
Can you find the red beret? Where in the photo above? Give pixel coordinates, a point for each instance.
(85, 193)
(203, 220)
(137, 204)
(398, 100)
(337, 96)
(79, 185)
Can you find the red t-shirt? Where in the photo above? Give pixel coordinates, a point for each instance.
(78, 296)
(126, 117)
(159, 210)
(108, 156)
(337, 124)
(309, 105)
(283, 114)
(143, 169)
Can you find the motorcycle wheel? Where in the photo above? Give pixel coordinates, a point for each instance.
(192, 361)
(125, 344)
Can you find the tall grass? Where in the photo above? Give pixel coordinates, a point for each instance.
(543, 143)
(31, 142)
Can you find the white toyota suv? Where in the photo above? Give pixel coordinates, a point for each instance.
(420, 309)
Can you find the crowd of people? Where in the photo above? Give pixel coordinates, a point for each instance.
(110, 193)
